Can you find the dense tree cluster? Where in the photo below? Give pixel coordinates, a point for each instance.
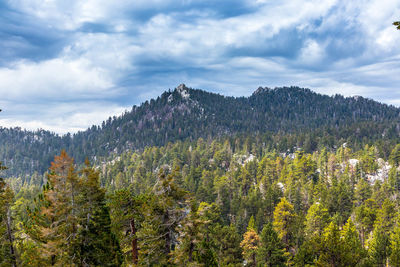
(291, 115)
(285, 177)
(208, 203)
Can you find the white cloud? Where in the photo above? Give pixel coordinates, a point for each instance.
(86, 72)
(91, 66)
(58, 117)
(70, 15)
(311, 53)
(56, 78)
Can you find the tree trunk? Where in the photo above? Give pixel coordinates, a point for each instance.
(168, 238)
(191, 248)
(11, 239)
(134, 242)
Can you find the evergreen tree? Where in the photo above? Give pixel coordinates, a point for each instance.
(353, 251)
(332, 251)
(271, 251)
(228, 246)
(365, 216)
(188, 249)
(250, 246)
(97, 244)
(379, 246)
(58, 219)
(8, 252)
(395, 247)
(157, 236)
(127, 211)
(317, 219)
(284, 220)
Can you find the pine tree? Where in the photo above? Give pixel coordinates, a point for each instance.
(71, 223)
(379, 246)
(317, 219)
(60, 213)
(271, 251)
(190, 236)
(353, 251)
(284, 219)
(395, 247)
(127, 211)
(8, 252)
(250, 246)
(332, 251)
(365, 216)
(165, 211)
(394, 157)
(97, 245)
(227, 241)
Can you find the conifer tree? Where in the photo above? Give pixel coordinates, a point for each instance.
(395, 247)
(317, 219)
(190, 236)
(284, 219)
(250, 244)
(379, 246)
(127, 211)
(157, 236)
(365, 216)
(60, 213)
(353, 251)
(227, 241)
(271, 251)
(8, 252)
(97, 244)
(332, 252)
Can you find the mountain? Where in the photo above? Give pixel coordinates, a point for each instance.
(187, 113)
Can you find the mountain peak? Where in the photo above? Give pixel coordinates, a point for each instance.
(181, 87)
(261, 90)
(183, 91)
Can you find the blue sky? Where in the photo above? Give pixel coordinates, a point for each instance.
(65, 65)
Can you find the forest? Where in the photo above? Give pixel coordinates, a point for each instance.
(283, 117)
(226, 202)
(277, 177)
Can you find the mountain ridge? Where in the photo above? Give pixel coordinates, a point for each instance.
(187, 113)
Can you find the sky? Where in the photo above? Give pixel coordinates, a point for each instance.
(66, 64)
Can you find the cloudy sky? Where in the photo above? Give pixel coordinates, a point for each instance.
(65, 65)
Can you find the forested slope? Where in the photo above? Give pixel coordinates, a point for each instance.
(186, 113)
(211, 203)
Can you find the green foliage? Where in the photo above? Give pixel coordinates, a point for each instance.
(271, 116)
(341, 248)
(140, 208)
(97, 245)
(316, 220)
(394, 157)
(249, 247)
(332, 252)
(395, 247)
(284, 219)
(271, 251)
(71, 223)
(8, 255)
(379, 245)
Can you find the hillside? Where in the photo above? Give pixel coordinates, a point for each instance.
(187, 113)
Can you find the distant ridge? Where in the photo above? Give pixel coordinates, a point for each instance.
(186, 113)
